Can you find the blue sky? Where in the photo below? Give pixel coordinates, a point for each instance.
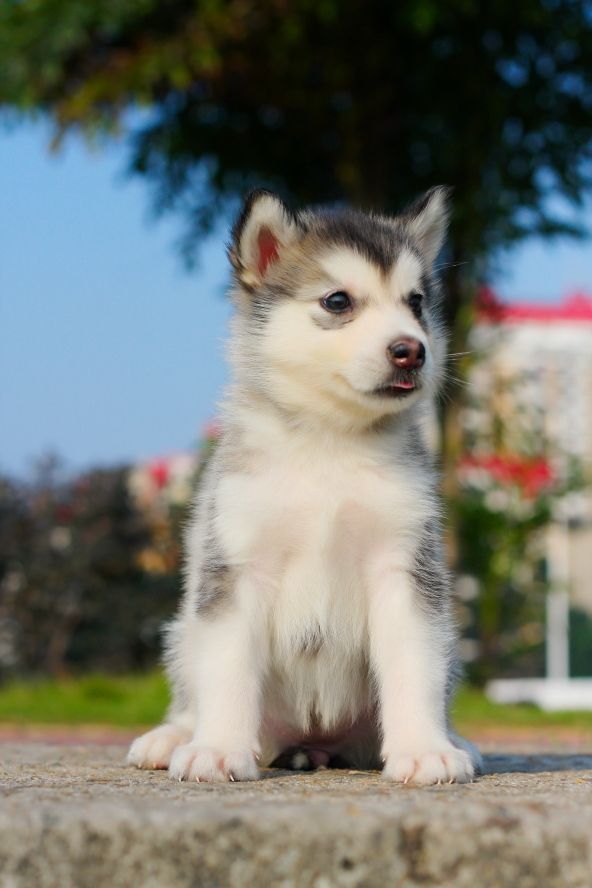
(109, 350)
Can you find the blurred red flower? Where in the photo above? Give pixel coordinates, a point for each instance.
(532, 476)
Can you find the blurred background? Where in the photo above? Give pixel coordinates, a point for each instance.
(129, 130)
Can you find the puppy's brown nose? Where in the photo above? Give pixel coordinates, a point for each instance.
(407, 353)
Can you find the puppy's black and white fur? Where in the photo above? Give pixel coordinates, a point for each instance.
(316, 624)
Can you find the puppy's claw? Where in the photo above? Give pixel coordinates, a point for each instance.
(231, 777)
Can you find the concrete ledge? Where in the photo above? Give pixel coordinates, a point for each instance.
(74, 817)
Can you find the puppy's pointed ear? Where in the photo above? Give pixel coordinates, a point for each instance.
(264, 228)
(427, 221)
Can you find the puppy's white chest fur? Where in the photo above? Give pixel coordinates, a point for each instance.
(308, 522)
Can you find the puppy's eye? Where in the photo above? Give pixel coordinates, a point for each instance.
(337, 302)
(415, 301)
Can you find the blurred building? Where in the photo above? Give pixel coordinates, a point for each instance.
(531, 393)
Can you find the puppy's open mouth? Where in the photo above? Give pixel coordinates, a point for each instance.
(396, 388)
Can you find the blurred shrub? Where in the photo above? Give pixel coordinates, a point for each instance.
(73, 592)
(501, 547)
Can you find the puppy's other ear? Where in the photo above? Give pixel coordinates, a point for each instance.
(265, 227)
(427, 221)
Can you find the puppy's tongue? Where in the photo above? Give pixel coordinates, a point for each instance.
(403, 385)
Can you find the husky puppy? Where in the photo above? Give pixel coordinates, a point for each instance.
(315, 626)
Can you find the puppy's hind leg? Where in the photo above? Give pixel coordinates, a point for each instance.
(469, 747)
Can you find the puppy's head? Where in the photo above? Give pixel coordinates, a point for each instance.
(338, 311)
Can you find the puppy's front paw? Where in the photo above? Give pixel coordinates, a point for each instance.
(449, 765)
(153, 750)
(203, 764)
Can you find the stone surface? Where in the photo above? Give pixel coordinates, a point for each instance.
(75, 817)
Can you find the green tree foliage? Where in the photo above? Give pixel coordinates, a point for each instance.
(369, 102)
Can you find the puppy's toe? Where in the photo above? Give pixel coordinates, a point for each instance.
(448, 765)
(153, 750)
(203, 764)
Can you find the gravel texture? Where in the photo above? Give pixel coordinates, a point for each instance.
(76, 817)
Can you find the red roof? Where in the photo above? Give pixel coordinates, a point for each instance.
(574, 307)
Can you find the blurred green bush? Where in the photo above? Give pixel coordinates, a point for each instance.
(76, 593)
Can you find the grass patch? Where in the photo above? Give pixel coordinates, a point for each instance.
(134, 700)
(124, 701)
(471, 707)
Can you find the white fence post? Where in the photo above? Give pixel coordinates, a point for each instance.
(557, 611)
